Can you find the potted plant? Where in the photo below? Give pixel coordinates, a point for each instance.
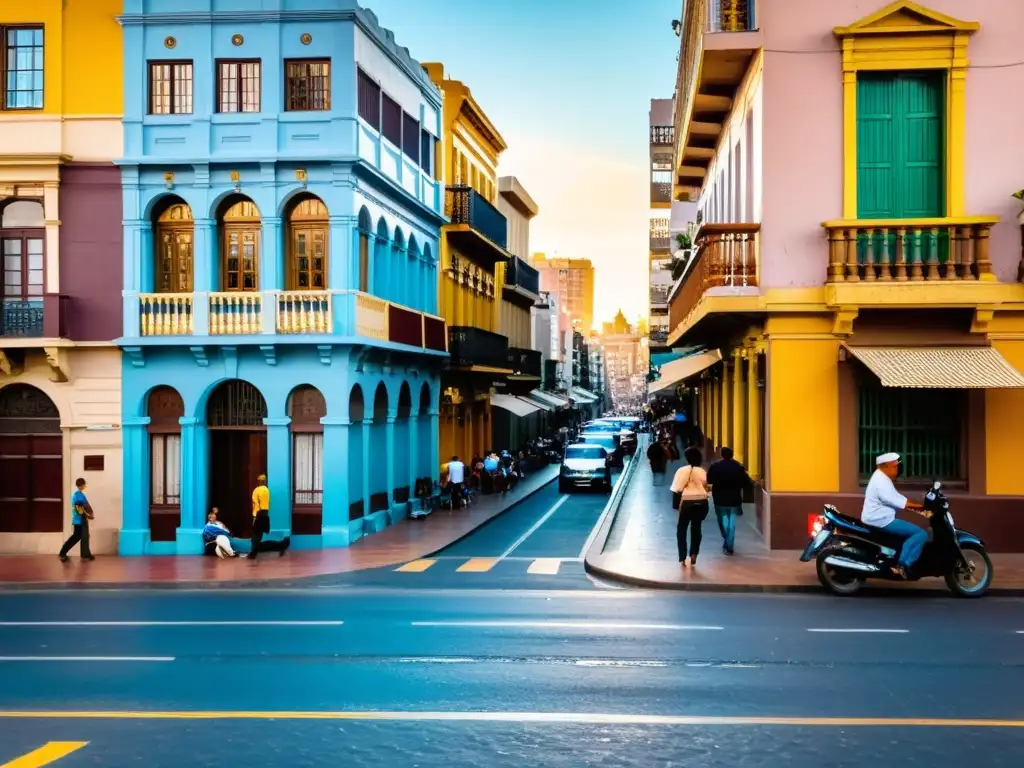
(1019, 195)
(686, 242)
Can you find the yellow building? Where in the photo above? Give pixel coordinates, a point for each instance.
(573, 281)
(855, 279)
(60, 229)
(473, 255)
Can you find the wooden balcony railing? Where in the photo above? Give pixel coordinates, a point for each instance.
(371, 317)
(304, 312)
(727, 256)
(895, 250)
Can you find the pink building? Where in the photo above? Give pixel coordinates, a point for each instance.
(857, 263)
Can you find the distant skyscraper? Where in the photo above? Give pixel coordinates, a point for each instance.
(573, 281)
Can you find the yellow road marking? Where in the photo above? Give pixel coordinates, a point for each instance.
(478, 565)
(547, 566)
(416, 566)
(519, 717)
(50, 752)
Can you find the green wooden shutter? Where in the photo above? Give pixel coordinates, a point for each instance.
(900, 145)
(876, 146)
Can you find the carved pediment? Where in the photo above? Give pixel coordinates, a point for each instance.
(903, 17)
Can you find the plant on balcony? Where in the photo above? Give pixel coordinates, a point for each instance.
(1019, 195)
(685, 241)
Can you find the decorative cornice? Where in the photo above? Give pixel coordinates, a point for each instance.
(365, 19)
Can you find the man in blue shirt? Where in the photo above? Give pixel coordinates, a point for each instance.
(81, 514)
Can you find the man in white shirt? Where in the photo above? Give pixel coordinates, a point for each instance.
(881, 502)
(456, 479)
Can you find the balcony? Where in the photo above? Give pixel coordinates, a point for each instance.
(42, 318)
(478, 229)
(726, 257)
(659, 295)
(662, 135)
(661, 191)
(910, 250)
(476, 348)
(285, 316)
(720, 38)
(525, 363)
(522, 283)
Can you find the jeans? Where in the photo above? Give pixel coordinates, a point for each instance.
(81, 534)
(727, 523)
(914, 538)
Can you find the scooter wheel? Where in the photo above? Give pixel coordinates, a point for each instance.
(838, 581)
(976, 581)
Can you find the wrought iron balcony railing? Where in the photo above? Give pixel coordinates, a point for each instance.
(42, 318)
(524, 362)
(662, 134)
(487, 226)
(519, 274)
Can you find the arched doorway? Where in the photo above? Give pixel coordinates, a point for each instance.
(165, 408)
(307, 245)
(31, 462)
(306, 406)
(238, 451)
(175, 238)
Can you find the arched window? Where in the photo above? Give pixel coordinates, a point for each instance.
(165, 408)
(306, 406)
(175, 236)
(308, 232)
(364, 250)
(22, 243)
(240, 245)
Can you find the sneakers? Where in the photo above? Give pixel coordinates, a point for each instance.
(63, 558)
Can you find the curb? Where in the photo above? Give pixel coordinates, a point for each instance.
(10, 587)
(607, 520)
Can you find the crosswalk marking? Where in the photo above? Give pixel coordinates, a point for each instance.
(416, 566)
(538, 566)
(50, 752)
(478, 565)
(547, 566)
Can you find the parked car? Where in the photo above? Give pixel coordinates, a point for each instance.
(610, 441)
(626, 435)
(585, 465)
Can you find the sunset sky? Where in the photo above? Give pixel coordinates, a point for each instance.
(568, 83)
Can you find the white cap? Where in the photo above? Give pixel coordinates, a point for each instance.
(886, 458)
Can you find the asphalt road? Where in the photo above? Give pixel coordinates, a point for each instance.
(464, 677)
(537, 544)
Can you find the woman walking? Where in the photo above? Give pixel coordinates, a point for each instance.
(690, 496)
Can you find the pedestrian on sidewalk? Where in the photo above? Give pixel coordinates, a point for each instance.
(690, 487)
(728, 479)
(657, 455)
(261, 522)
(81, 514)
(456, 481)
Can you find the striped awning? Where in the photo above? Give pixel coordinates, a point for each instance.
(679, 370)
(536, 402)
(556, 401)
(514, 405)
(939, 367)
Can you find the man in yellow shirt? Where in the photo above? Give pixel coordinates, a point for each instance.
(261, 522)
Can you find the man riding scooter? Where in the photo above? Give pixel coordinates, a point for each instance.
(882, 501)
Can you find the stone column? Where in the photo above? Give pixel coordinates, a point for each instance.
(334, 528)
(739, 437)
(134, 535)
(272, 266)
(279, 474)
(435, 464)
(367, 436)
(389, 458)
(415, 425)
(188, 537)
(205, 273)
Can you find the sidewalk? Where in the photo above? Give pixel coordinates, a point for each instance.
(640, 549)
(408, 540)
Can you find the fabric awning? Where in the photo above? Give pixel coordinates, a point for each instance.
(514, 405)
(939, 367)
(583, 395)
(682, 369)
(536, 402)
(556, 401)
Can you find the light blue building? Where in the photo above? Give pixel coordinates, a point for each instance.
(282, 212)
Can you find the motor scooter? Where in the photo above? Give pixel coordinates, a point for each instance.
(847, 552)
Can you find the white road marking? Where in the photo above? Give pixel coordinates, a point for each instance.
(547, 566)
(171, 623)
(534, 527)
(596, 625)
(864, 631)
(88, 658)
